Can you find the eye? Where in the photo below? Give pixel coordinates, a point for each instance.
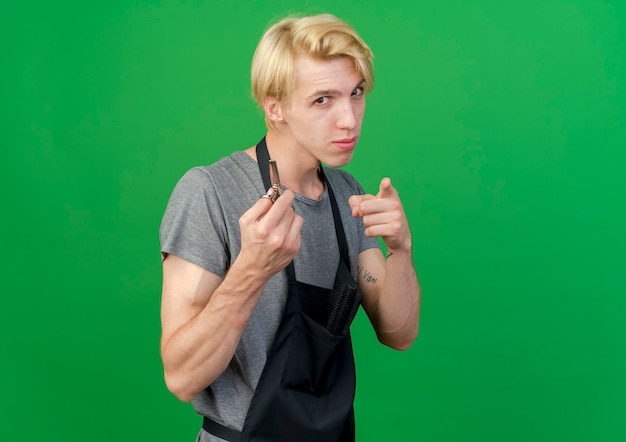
(322, 100)
(357, 92)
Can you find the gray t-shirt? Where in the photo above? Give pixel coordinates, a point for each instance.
(201, 225)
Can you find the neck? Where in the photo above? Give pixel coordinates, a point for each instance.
(298, 169)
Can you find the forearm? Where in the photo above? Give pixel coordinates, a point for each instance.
(399, 302)
(201, 349)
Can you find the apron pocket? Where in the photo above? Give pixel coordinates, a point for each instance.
(313, 351)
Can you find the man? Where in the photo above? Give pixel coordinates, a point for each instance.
(252, 285)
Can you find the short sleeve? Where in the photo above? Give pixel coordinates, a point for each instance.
(193, 225)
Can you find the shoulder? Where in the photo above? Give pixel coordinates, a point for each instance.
(221, 173)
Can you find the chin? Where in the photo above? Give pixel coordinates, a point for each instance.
(336, 162)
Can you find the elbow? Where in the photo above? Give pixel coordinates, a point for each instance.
(403, 345)
(178, 387)
(399, 342)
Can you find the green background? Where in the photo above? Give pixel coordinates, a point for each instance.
(502, 124)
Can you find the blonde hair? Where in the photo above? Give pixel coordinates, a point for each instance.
(320, 37)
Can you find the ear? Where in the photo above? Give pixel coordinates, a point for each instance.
(273, 110)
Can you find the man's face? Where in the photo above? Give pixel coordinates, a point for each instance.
(326, 110)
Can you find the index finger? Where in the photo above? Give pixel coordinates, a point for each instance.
(386, 190)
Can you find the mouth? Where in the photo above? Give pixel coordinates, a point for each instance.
(346, 143)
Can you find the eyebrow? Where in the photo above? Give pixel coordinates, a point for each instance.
(325, 92)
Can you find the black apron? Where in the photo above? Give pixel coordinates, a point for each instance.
(306, 390)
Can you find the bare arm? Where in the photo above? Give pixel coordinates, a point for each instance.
(203, 316)
(391, 291)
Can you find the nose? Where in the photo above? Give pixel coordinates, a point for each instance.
(348, 116)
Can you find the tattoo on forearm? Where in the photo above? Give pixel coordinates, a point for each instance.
(389, 253)
(367, 276)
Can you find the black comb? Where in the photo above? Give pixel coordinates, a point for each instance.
(344, 310)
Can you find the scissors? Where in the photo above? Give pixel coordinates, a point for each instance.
(275, 179)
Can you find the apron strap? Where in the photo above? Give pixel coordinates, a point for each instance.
(341, 235)
(219, 430)
(263, 159)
